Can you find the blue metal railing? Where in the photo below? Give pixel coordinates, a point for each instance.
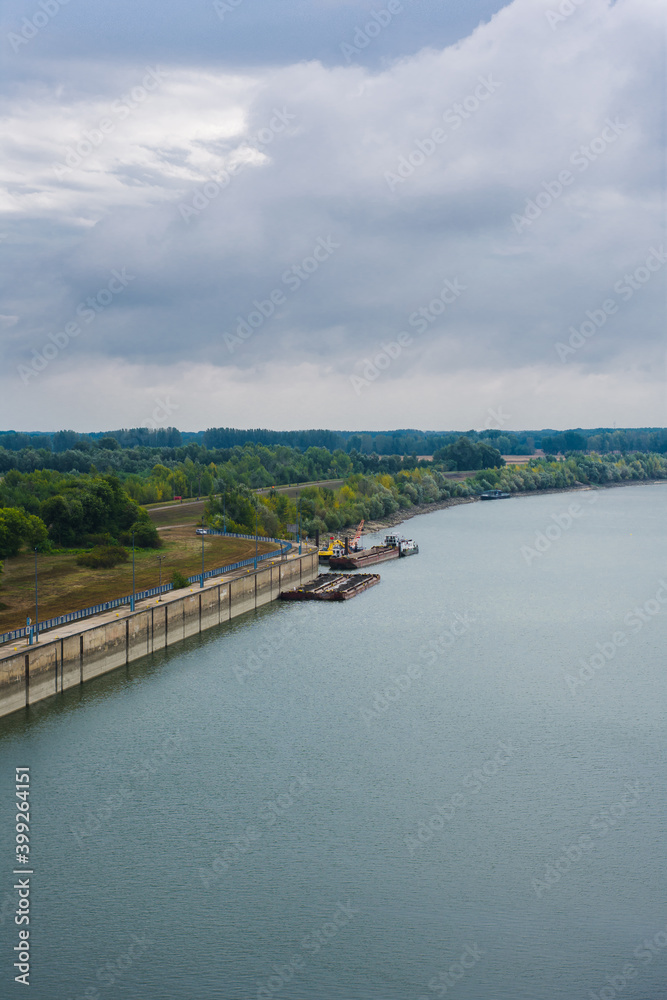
(95, 609)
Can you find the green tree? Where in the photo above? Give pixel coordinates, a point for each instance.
(18, 529)
(466, 455)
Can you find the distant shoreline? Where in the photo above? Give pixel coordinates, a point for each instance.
(391, 520)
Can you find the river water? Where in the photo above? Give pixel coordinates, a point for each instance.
(436, 789)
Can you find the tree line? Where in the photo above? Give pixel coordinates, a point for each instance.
(49, 509)
(398, 442)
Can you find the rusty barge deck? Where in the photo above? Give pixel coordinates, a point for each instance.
(359, 560)
(332, 587)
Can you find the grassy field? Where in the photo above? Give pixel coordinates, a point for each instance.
(64, 586)
(186, 513)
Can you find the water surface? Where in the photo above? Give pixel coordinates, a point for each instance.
(323, 800)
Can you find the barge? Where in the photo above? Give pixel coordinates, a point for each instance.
(394, 547)
(358, 560)
(332, 587)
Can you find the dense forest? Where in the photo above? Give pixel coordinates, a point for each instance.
(86, 508)
(46, 509)
(42, 447)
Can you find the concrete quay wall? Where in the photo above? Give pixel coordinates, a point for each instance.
(37, 672)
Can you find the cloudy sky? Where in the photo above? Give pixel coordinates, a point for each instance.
(334, 213)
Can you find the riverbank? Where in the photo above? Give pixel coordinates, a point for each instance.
(391, 520)
(74, 653)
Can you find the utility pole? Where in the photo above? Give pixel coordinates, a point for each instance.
(133, 584)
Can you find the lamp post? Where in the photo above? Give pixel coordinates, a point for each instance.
(36, 601)
(224, 513)
(255, 536)
(159, 559)
(133, 586)
(201, 584)
(298, 522)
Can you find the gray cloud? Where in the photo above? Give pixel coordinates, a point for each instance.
(214, 190)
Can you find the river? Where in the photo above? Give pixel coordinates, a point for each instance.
(452, 785)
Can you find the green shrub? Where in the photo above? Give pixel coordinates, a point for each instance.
(145, 535)
(103, 557)
(97, 540)
(179, 581)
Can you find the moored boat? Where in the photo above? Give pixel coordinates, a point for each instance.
(356, 560)
(494, 495)
(332, 587)
(335, 547)
(405, 546)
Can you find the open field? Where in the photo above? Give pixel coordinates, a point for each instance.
(64, 586)
(185, 513)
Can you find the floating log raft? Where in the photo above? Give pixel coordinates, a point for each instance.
(332, 587)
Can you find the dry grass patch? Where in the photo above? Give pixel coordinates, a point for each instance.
(64, 586)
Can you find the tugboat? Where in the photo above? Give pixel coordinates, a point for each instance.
(405, 546)
(494, 495)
